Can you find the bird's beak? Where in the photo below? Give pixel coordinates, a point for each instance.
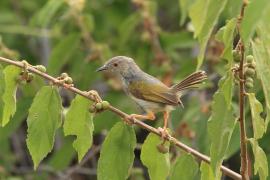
(102, 68)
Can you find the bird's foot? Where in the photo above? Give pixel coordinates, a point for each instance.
(129, 119)
(164, 133)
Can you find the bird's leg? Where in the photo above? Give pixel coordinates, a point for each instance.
(163, 131)
(149, 116)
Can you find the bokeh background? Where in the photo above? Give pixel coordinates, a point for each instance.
(78, 36)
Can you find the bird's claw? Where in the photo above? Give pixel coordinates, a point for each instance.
(129, 119)
(164, 133)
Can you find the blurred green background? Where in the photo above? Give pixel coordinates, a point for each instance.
(78, 36)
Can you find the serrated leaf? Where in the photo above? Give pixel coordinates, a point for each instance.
(157, 163)
(62, 52)
(204, 15)
(206, 172)
(43, 120)
(2, 90)
(185, 167)
(184, 7)
(79, 122)
(225, 35)
(220, 127)
(11, 74)
(260, 164)
(117, 153)
(262, 55)
(44, 16)
(251, 19)
(257, 120)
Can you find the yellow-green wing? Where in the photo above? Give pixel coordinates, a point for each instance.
(154, 92)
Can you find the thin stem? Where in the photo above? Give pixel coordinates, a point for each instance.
(243, 142)
(123, 115)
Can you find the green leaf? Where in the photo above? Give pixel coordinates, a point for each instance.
(234, 143)
(226, 36)
(206, 172)
(127, 27)
(48, 11)
(79, 122)
(158, 164)
(117, 153)
(257, 120)
(251, 19)
(11, 74)
(204, 15)
(220, 126)
(260, 164)
(2, 90)
(263, 27)
(62, 52)
(43, 120)
(261, 53)
(226, 88)
(185, 167)
(184, 7)
(23, 105)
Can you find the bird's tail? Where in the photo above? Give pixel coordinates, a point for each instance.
(191, 81)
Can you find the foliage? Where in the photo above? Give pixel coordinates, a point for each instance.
(83, 126)
(157, 163)
(43, 122)
(117, 153)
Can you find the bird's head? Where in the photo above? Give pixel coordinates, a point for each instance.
(120, 66)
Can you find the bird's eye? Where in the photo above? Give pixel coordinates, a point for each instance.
(115, 64)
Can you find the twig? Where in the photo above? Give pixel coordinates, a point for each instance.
(122, 114)
(243, 142)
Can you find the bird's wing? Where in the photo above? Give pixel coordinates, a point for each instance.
(154, 92)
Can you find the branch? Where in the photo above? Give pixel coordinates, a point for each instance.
(123, 115)
(243, 142)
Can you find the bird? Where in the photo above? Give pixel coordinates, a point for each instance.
(151, 94)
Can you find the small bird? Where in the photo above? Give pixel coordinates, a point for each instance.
(147, 91)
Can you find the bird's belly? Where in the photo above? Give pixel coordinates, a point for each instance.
(152, 106)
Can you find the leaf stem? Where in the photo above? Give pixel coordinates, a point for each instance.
(124, 115)
(242, 93)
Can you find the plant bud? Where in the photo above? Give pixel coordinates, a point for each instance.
(250, 59)
(249, 80)
(41, 68)
(98, 106)
(250, 72)
(162, 148)
(236, 55)
(68, 80)
(64, 75)
(105, 104)
(249, 85)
